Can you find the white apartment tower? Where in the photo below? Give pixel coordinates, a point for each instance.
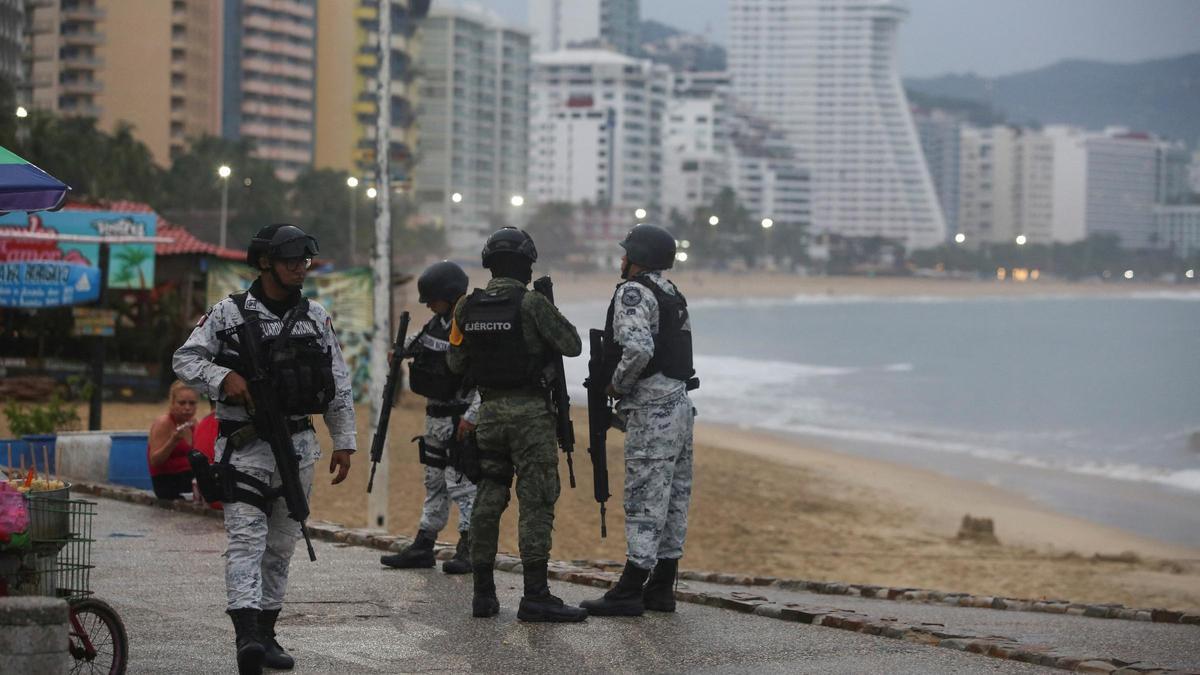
(696, 148)
(825, 71)
(474, 112)
(596, 120)
(559, 24)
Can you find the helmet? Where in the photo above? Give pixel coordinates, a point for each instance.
(650, 246)
(509, 240)
(442, 281)
(280, 240)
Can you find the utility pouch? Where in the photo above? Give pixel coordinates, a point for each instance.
(468, 459)
(430, 456)
(205, 475)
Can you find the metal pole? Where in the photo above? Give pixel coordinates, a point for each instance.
(353, 226)
(224, 207)
(381, 259)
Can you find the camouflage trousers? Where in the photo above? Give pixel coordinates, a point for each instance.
(515, 434)
(259, 547)
(444, 485)
(658, 480)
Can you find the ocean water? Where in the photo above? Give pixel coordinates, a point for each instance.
(1013, 391)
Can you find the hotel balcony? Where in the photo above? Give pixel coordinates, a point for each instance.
(79, 62)
(82, 13)
(77, 87)
(91, 38)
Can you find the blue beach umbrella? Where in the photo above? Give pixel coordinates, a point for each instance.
(24, 187)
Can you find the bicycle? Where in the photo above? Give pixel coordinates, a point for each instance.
(57, 563)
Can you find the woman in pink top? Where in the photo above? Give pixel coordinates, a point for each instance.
(170, 441)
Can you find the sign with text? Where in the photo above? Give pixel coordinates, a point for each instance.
(94, 322)
(130, 266)
(47, 283)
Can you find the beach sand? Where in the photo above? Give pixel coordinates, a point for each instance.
(774, 506)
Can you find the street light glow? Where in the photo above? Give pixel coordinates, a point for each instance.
(685, 243)
(1128, 274)
(352, 182)
(224, 171)
(1021, 240)
(681, 256)
(713, 220)
(960, 238)
(456, 197)
(639, 214)
(517, 200)
(22, 112)
(1190, 274)
(767, 223)
(371, 192)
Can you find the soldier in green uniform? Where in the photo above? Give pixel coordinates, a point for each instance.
(501, 338)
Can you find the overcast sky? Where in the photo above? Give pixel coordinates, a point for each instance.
(989, 37)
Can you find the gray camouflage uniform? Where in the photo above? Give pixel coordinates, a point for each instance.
(259, 547)
(658, 431)
(445, 485)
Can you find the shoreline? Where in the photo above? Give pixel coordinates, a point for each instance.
(709, 285)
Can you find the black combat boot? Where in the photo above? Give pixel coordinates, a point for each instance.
(659, 593)
(275, 656)
(624, 599)
(485, 603)
(539, 606)
(416, 555)
(249, 650)
(461, 562)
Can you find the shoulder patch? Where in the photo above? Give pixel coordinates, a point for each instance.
(631, 296)
(203, 318)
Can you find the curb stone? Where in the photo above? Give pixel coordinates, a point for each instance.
(593, 573)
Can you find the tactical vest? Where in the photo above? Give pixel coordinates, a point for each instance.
(300, 368)
(495, 341)
(672, 345)
(429, 375)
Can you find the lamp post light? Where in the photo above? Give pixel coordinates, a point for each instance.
(640, 214)
(456, 197)
(516, 200)
(1021, 239)
(960, 238)
(224, 172)
(22, 112)
(371, 192)
(352, 183)
(767, 223)
(713, 220)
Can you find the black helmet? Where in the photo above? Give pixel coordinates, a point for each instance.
(442, 281)
(279, 241)
(509, 240)
(650, 246)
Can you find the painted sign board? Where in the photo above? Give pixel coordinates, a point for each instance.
(93, 321)
(47, 283)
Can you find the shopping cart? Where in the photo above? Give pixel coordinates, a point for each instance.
(57, 563)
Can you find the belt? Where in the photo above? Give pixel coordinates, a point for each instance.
(495, 394)
(241, 432)
(446, 410)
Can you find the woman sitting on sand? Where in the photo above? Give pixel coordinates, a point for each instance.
(170, 441)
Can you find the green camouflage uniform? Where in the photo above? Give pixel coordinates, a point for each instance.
(517, 426)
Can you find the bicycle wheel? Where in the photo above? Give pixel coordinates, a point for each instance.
(98, 640)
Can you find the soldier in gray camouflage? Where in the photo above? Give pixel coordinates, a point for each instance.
(648, 338)
(260, 546)
(451, 408)
(501, 338)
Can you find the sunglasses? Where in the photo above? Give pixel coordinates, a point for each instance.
(296, 264)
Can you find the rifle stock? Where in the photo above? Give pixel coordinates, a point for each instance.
(599, 419)
(271, 425)
(559, 399)
(389, 399)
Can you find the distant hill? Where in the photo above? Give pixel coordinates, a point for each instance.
(1161, 96)
(679, 49)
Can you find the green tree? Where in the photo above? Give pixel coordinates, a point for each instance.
(320, 200)
(550, 227)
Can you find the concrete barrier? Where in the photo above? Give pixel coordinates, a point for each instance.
(34, 635)
(117, 457)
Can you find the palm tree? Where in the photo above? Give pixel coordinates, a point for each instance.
(131, 258)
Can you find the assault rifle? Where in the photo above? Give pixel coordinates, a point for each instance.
(271, 424)
(559, 400)
(599, 419)
(389, 398)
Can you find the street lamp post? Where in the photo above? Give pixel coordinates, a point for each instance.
(767, 224)
(352, 183)
(224, 172)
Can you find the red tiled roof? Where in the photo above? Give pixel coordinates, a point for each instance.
(185, 243)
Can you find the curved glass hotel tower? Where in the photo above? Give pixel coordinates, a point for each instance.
(825, 71)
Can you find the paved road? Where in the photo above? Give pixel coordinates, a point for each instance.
(1169, 645)
(163, 572)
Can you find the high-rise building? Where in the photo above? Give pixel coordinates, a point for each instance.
(559, 24)
(473, 112)
(269, 79)
(347, 96)
(696, 149)
(825, 71)
(940, 133)
(153, 65)
(12, 35)
(1122, 185)
(596, 128)
(766, 176)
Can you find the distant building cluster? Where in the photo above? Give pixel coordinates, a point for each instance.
(808, 124)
